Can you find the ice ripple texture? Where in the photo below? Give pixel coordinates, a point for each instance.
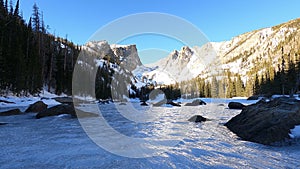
(60, 142)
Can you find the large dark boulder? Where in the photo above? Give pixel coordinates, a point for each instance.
(170, 102)
(144, 103)
(235, 105)
(267, 122)
(11, 112)
(196, 102)
(57, 110)
(64, 109)
(160, 103)
(64, 100)
(254, 97)
(36, 107)
(197, 119)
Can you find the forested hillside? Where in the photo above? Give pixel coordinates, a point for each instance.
(30, 57)
(265, 61)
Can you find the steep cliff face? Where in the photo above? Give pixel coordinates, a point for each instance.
(246, 54)
(128, 56)
(179, 66)
(124, 55)
(100, 50)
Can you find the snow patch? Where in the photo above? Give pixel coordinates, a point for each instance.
(295, 132)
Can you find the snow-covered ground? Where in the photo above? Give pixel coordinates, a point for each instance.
(44, 96)
(60, 142)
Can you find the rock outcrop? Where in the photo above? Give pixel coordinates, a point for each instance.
(196, 103)
(64, 100)
(170, 102)
(64, 109)
(197, 119)
(144, 103)
(235, 105)
(128, 55)
(36, 107)
(11, 112)
(267, 122)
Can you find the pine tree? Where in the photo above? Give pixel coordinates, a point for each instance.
(282, 73)
(16, 13)
(221, 90)
(291, 78)
(214, 87)
(249, 87)
(6, 6)
(256, 85)
(240, 89)
(36, 18)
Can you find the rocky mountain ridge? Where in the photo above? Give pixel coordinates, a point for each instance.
(124, 55)
(246, 55)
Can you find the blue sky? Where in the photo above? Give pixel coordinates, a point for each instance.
(219, 20)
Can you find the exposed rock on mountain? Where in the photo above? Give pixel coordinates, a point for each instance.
(128, 56)
(178, 66)
(125, 55)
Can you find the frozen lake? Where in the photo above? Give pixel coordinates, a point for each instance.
(61, 142)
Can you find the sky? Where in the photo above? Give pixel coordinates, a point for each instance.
(218, 20)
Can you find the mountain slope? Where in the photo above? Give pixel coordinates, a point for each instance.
(245, 54)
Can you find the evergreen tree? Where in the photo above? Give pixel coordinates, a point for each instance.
(214, 87)
(291, 78)
(16, 12)
(256, 85)
(221, 90)
(239, 85)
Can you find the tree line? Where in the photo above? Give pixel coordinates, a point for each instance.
(31, 58)
(266, 79)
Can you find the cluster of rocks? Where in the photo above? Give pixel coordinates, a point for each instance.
(168, 102)
(263, 122)
(42, 109)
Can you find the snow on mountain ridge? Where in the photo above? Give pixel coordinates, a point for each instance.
(125, 55)
(243, 54)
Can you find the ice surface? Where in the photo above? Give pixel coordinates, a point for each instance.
(60, 142)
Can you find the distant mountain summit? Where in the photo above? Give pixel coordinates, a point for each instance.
(125, 55)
